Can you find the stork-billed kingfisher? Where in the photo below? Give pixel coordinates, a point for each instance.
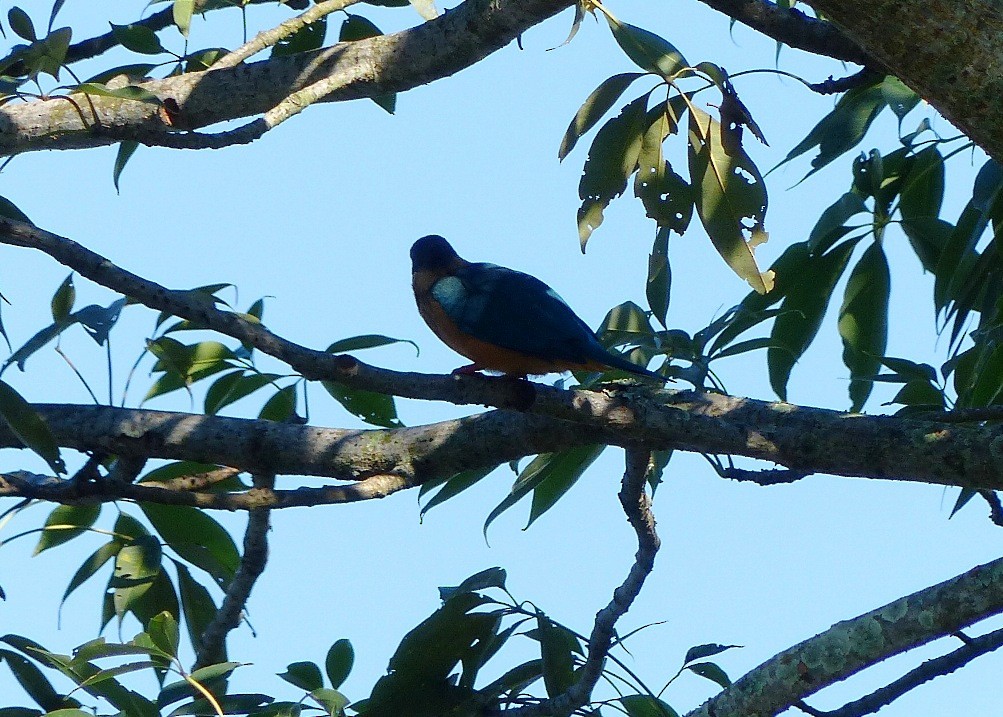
(502, 319)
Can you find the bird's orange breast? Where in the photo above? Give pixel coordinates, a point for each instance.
(482, 353)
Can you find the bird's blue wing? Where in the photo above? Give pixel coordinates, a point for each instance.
(515, 310)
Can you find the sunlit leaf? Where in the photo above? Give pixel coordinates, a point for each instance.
(66, 522)
(646, 49)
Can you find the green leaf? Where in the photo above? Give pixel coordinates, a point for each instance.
(561, 469)
(596, 105)
(163, 631)
(126, 149)
(339, 661)
(29, 427)
(802, 310)
(612, 159)
(666, 196)
(563, 472)
(137, 38)
(367, 341)
(63, 299)
(833, 218)
(964, 496)
(35, 343)
(305, 675)
(198, 609)
(136, 566)
(98, 321)
(182, 688)
(281, 406)
(91, 565)
(456, 485)
(646, 706)
(556, 653)
(898, 97)
(712, 672)
(309, 37)
(730, 198)
(377, 409)
(646, 49)
(863, 321)
(489, 578)
(182, 10)
(842, 129)
(66, 522)
(137, 94)
(9, 210)
(356, 27)
(658, 287)
(709, 650)
(232, 387)
(32, 681)
(197, 538)
(21, 24)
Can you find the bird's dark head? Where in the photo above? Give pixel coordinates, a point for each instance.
(431, 253)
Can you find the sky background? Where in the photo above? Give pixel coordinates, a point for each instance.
(319, 216)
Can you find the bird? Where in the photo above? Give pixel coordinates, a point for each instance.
(504, 320)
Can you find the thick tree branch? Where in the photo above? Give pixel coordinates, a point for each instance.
(852, 645)
(351, 70)
(938, 666)
(794, 28)
(637, 507)
(212, 648)
(948, 52)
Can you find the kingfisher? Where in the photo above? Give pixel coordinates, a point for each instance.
(504, 320)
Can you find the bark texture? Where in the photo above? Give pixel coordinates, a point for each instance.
(948, 51)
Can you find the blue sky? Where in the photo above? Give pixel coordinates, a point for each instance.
(319, 215)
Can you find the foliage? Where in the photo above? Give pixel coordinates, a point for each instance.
(677, 132)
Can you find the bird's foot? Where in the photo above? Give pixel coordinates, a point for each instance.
(468, 370)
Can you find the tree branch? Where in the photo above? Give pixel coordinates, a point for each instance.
(794, 28)
(212, 648)
(350, 70)
(637, 507)
(943, 665)
(852, 645)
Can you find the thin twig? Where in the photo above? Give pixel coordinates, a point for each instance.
(212, 648)
(637, 507)
(268, 38)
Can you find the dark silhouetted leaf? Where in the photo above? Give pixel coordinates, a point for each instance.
(596, 105)
(197, 538)
(138, 38)
(489, 578)
(377, 409)
(126, 149)
(305, 675)
(339, 661)
(309, 37)
(863, 321)
(646, 706)
(29, 427)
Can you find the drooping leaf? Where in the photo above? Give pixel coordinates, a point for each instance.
(21, 24)
(556, 652)
(197, 538)
(898, 97)
(456, 485)
(730, 199)
(63, 299)
(658, 287)
(182, 11)
(863, 321)
(126, 149)
(711, 671)
(802, 310)
(612, 159)
(29, 427)
(198, 609)
(136, 566)
(91, 565)
(595, 106)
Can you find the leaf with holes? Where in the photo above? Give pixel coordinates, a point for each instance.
(730, 199)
